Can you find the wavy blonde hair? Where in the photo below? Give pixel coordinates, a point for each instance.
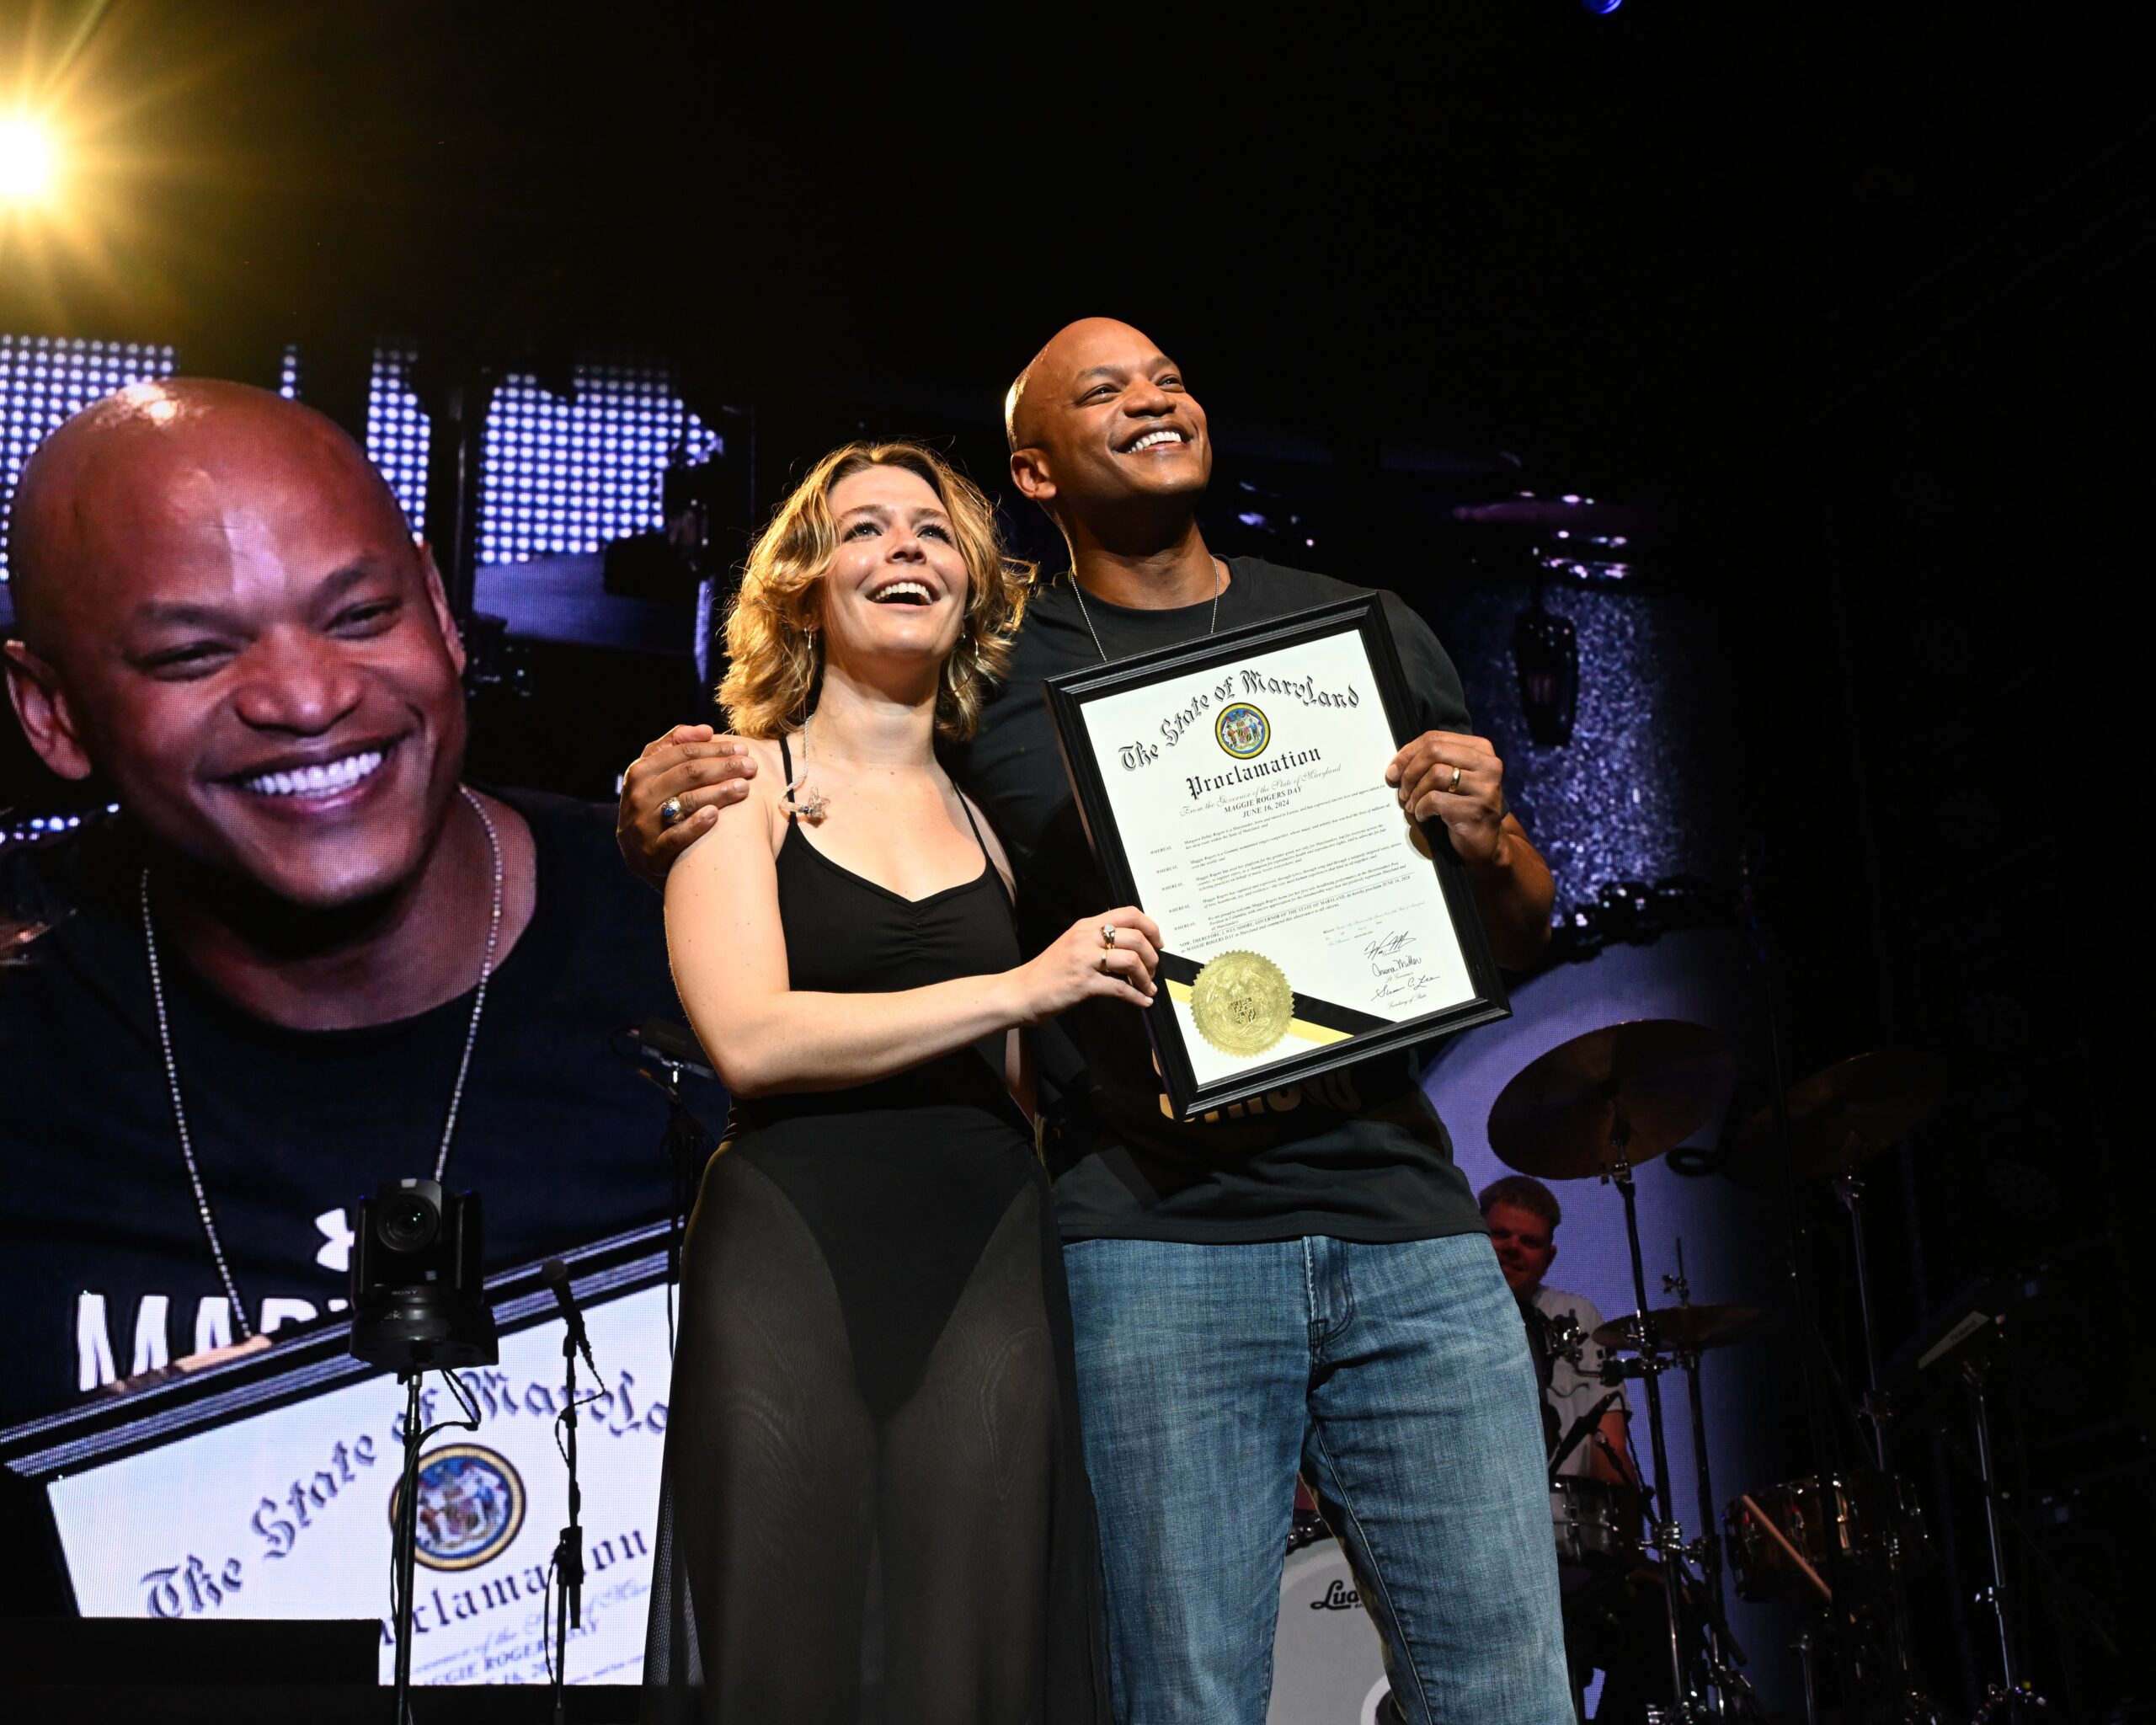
(770, 626)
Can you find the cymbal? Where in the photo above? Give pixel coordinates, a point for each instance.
(1581, 516)
(1844, 1115)
(1662, 1077)
(1683, 1329)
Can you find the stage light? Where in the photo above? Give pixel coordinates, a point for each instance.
(26, 161)
(572, 473)
(1600, 9)
(398, 431)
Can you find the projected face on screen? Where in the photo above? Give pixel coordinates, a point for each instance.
(223, 615)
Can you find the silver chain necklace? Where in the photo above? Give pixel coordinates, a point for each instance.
(1220, 582)
(172, 1066)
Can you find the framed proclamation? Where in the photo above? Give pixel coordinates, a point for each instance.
(1233, 789)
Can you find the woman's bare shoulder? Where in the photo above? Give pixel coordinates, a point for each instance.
(763, 805)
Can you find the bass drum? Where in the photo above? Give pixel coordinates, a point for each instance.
(1328, 1668)
(1870, 1520)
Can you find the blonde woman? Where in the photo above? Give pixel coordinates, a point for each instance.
(876, 1505)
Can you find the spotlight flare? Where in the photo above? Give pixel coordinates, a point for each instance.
(25, 161)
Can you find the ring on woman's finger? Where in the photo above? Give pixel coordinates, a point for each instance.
(671, 813)
(1107, 934)
(1105, 971)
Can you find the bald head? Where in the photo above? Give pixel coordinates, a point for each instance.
(1048, 376)
(185, 456)
(1106, 438)
(223, 614)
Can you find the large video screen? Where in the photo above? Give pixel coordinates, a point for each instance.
(271, 1495)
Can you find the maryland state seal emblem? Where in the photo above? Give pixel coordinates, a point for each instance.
(1242, 730)
(471, 1506)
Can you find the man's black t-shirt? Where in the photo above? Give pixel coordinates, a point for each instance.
(1357, 1154)
(105, 1270)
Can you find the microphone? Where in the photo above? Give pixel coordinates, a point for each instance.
(670, 1041)
(556, 1275)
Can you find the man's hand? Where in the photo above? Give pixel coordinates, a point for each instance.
(1445, 776)
(1459, 780)
(692, 762)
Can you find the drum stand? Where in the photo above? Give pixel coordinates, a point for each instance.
(1731, 1693)
(1850, 1190)
(1911, 1703)
(1667, 1537)
(2012, 1690)
(1724, 1655)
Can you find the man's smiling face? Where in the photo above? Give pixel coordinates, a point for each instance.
(1524, 1245)
(233, 627)
(1103, 421)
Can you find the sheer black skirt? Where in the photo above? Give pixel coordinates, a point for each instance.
(874, 1508)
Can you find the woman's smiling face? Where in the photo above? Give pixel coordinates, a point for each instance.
(897, 585)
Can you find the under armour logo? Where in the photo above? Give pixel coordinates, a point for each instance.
(336, 1253)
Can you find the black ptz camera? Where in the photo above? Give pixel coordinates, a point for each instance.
(419, 1301)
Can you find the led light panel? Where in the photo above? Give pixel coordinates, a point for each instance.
(398, 429)
(44, 380)
(570, 475)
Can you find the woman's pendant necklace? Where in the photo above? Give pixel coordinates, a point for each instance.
(802, 798)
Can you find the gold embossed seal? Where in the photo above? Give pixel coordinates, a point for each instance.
(1241, 1003)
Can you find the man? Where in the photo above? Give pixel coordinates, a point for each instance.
(1522, 1215)
(257, 994)
(1616, 1620)
(1297, 1281)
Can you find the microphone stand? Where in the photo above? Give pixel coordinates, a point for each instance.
(568, 1550)
(680, 1143)
(673, 1051)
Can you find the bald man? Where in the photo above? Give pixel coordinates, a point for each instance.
(1303, 1281)
(260, 982)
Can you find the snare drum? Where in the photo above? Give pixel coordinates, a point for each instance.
(1597, 1523)
(1869, 1520)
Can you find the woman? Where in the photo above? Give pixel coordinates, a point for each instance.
(875, 1505)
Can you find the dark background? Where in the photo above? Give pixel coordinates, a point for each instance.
(1854, 299)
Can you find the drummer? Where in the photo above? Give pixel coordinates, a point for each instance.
(1522, 1215)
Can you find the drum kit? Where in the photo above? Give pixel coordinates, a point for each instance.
(1839, 1542)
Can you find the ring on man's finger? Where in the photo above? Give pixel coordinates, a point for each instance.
(1454, 785)
(671, 813)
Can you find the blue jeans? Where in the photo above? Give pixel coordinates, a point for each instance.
(1398, 1378)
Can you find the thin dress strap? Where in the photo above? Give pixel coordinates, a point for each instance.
(966, 803)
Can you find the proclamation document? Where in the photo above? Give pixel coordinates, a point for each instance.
(1239, 795)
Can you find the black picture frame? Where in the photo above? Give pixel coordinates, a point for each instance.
(1068, 695)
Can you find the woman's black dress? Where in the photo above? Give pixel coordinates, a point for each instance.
(875, 1507)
